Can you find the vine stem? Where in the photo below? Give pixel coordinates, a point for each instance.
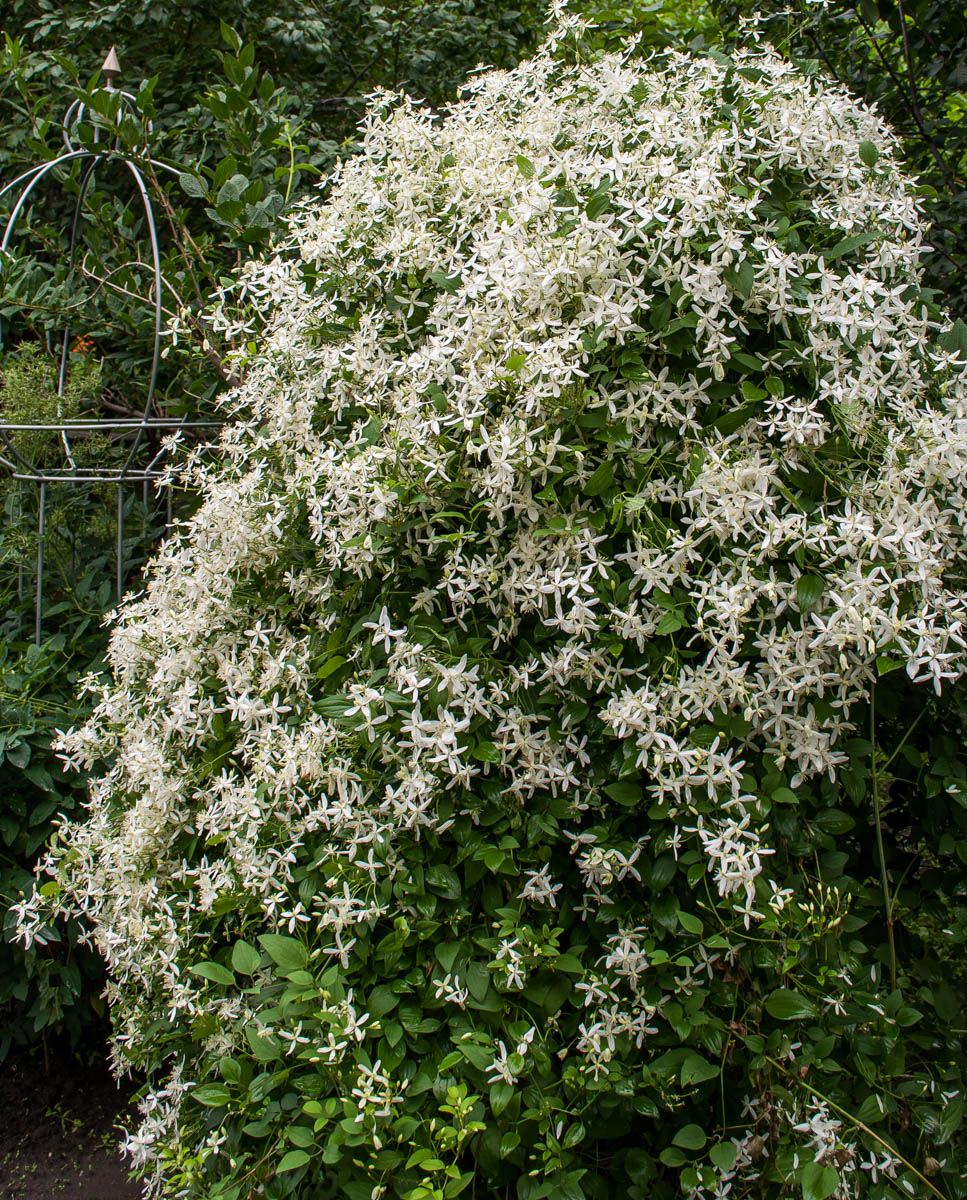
(855, 1121)
(884, 881)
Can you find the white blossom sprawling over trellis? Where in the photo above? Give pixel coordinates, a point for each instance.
(598, 437)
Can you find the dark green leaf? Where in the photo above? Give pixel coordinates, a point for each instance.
(787, 1005)
(690, 1137)
(869, 154)
(215, 973)
(285, 952)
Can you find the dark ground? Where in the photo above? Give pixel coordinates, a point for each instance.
(58, 1135)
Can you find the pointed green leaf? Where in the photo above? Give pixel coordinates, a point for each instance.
(786, 1005)
(245, 958)
(293, 1160)
(690, 1137)
(285, 952)
(869, 154)
(215, 973)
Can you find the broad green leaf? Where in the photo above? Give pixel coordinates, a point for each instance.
(285, 952)
(818, 1182)
(293, 1160)
(854, 242)
(501, 1094)
(723, 1155)
(382, 1000)
(601, 480)
(215, 973)
(869, 154)
(624, 793)
(245, 958)
(192, 186)
(954, 339)
(689, 922)
(786, 1005)
(696, 1069)
(265, 1049)
(809, 591)
(690, 1137)
(599, 204)
(447, 954)
(300, 1135)
(525, 166)
(214, 1095)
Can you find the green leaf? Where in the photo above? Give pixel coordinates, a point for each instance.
(265, 1049)
(285, 952)
(848, 245)
(525, 166)
(245, 958)
(447, 954)
(330, 666)
(501, 1094)
(599, 204)
(230, 37)
(300, 1135)
(671, 622)
(293, 1160)
(485, 752)
(481, 1057)
(214, 1095)
(444, 881)
(696, 1069)
(215, 973)
(478, 981)
(601, 480)
(742, 278)
(818, 1182)
(954, 339)
(624, 793)
(382, 1000)
(690, 1137)
(192, 186)
(786, 1005)
(809, 591)
(231, 191)
(689, 922)
(869, 154)
(723, 1155)
(549, 990)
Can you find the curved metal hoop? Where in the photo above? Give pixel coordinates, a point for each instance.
(98, 153)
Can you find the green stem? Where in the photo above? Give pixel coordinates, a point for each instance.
(884, 881)
(856, 1122)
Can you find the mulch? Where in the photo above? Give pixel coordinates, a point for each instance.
(59, 1122)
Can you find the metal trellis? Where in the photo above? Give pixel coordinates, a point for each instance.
(101, 150)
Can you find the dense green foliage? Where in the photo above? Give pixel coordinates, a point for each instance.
(518, 777)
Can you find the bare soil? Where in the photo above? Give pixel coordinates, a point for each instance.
(59, 1128)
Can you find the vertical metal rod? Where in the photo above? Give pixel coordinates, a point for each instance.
(39, 598)
(20, 564)
(120, 539)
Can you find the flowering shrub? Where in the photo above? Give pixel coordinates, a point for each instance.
(488, 797)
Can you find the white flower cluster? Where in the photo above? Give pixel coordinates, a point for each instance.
(561, 432)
